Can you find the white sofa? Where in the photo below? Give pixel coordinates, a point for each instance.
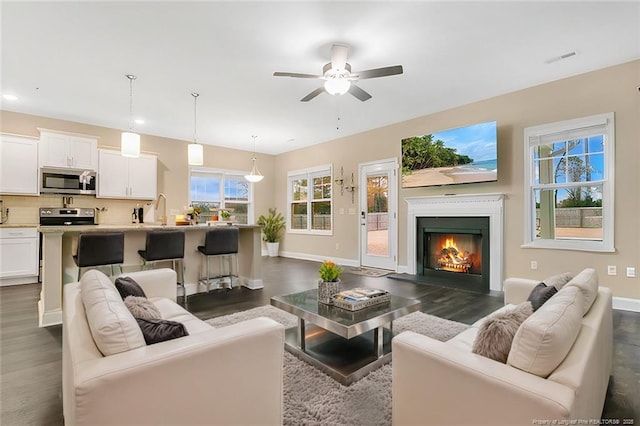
(436, 383)
(229, 375)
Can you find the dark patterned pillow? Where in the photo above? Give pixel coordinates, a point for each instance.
(128, 287)
(159, 330)
(496, 333)
(540, 294)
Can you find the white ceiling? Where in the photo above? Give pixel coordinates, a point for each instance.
(68, 60)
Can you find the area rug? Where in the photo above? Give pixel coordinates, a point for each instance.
(313, 398)
(369, 272)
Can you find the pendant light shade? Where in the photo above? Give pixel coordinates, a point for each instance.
(195, 151)
(130, 142)
(254, 175)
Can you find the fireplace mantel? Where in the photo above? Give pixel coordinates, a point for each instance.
(480, 205)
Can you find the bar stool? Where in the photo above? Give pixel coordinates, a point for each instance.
(164, 246)
(220, 242)
(100, 249)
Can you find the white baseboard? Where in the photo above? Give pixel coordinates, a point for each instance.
(404, 269)
(626, 304)
(304, 256)
(46, 319)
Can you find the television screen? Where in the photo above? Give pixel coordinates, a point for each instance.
(464, 155)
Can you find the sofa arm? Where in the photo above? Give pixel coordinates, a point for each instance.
(437, 384)
(517, 290)
(206, 378)
(156, 282)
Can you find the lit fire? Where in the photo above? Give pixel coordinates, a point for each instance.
(453, 259)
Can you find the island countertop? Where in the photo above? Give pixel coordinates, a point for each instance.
(136, 227)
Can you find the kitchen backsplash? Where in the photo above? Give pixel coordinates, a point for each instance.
(24, 210)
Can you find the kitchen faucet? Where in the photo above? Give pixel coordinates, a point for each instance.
(164, 211)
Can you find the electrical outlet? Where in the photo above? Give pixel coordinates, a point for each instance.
(631, 272)
(534, 264)
(612, 270)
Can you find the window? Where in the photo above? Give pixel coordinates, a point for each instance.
(569, 181)
(310, 200)
(214, 190)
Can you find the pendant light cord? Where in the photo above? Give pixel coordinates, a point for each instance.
(131, 77)
(195, 115)
(254, 148)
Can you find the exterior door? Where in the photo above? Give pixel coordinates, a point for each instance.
(378, 214)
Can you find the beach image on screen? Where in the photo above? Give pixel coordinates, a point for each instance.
(462, 155)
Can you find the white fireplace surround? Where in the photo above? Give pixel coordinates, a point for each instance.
(478, 205)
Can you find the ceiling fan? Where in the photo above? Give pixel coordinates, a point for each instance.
(338, 78)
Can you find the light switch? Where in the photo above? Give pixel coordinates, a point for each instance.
(631, 272)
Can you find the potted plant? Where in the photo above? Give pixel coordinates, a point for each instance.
(329, 283)
(272, 226)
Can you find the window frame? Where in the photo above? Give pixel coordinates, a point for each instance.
(533, 137)
(309, 174)
(222, 173)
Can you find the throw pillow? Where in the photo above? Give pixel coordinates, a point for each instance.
(540, 294)
(558, 281)
(496, 332)
(159, 330)
(128, 287)
(141, 307)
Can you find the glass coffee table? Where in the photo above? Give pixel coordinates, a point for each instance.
(345, 345)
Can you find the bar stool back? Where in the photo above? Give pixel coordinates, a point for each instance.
(164, 246)
(99, 249)
(220, 242)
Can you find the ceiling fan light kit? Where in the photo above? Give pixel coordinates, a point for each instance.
(254, 175)
(195, 152)
(129, 141)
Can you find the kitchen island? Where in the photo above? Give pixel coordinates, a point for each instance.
(59, 245)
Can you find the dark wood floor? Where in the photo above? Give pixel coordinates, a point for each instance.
(30, 357)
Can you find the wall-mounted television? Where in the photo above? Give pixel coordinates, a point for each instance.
(463, 155)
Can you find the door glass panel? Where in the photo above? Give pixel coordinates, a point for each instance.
(378, 215)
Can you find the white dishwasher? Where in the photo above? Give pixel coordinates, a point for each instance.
(19, 257)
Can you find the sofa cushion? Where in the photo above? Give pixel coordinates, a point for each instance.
(544, 339)
(141, 307)
(159, 330)
(174, 312)
(112, 326)
(587, 282)
(558, 281)
(128, 287)
(496, 333)
(540, 294)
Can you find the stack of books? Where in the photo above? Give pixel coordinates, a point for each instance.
(360, 298)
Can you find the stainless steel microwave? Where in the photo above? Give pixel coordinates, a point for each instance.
(67, 181)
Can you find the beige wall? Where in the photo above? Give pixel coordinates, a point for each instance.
(612, 89)
(173, 170)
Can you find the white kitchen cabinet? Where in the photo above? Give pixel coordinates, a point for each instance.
(68, 150)
(18, 165)
(19, 257)
(124, 177)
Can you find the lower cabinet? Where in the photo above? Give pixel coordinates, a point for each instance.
(19, 256)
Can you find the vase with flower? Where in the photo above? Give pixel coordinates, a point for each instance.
(329, 283)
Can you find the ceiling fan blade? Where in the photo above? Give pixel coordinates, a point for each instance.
(359, 93)
(338, 57)
(294, 74)
(380, 72)
(312, 94)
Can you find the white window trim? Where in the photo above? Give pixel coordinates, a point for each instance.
(308, 173)
(225, 172)
(532, 135)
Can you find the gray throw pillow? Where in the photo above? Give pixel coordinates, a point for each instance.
(496, 332)
(141, 307)
(558, 281)
(159, 330)
(540, 294)
(127, 286)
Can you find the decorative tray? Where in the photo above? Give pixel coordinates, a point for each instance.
(360, 298)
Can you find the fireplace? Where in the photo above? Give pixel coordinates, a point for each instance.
(454, 251)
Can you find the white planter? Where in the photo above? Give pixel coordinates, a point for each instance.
(272, 249)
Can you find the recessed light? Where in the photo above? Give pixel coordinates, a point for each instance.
(139, 121)
(10, 97)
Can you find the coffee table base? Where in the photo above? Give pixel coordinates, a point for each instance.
(345, 360)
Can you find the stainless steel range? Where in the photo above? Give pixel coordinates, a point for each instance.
(56, 216)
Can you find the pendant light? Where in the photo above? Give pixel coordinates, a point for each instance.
(195, 151)
(130, 142)
(254, 175)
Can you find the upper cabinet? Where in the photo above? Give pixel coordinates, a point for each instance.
(18, 165)
(68, 150)
(123, 177)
